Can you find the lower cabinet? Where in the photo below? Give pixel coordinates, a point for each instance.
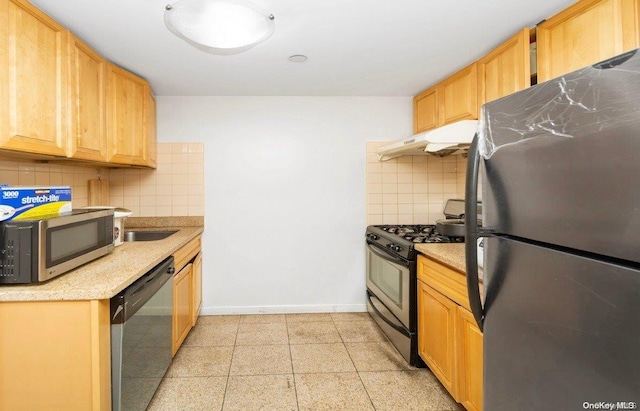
(449, 341)
(182, 306)
(436, 330)
(187, 291)
(55, 355)
(197, 288)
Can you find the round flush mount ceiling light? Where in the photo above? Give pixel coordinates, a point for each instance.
(219, 26)
(298, 58)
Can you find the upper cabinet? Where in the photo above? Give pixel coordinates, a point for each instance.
(506, 69)
(458, 96)
(33, 78)
(425, 110)
(87, 103)
(60, 99)
(127, 112)
(586, 33)
(453, 99)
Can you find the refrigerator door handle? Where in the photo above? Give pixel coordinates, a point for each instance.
(472, 232)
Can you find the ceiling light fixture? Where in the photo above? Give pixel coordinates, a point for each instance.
(298, 58)
(219, 26)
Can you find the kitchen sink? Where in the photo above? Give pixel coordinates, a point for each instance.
(147, 235)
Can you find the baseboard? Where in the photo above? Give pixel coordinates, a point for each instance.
(285, 309)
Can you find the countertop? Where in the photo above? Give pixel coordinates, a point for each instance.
(449, 254)
(446, 253)
(105, 277)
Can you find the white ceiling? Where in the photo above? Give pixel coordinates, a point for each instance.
(355, 47)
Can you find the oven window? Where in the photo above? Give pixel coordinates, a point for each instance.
(387, 277)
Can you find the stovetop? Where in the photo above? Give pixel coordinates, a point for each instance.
(400, 239)
(419, 233)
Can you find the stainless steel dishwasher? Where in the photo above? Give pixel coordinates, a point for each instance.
(141, 338)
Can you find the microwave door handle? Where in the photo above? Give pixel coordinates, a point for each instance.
(472, 232)
(387, 257)
(386, 320)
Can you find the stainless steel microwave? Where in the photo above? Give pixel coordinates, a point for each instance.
(33, 251)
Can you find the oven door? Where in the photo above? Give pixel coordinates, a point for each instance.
(388, 278)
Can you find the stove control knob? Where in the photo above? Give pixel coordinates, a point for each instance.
(372, 237)
(395, 247)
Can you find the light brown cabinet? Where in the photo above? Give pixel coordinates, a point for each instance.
(469, 354)
(453, 99)
(87, 103)
(182, 306)
(187, 291)
(449, 340)
(59, 99)
(506, 69)
(127, 110)
(55, 355)
(585, 33)
(436, 331)
(425, 110)
(151, 132)
(197, 287)
(458, 96)
(33, 81)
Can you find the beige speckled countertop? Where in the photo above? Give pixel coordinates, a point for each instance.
(105, 277)
(449, 254)
(446, 253)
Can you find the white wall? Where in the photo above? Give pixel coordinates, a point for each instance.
(284, 195)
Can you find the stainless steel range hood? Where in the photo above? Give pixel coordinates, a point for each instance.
(453, 138)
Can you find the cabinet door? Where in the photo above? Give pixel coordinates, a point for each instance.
(469, 345)
(506, 69)
(127, 105)
(425, 110)
(182, 306)
(585, 33)
(87, 99)
(152, 142)
(197, 287)
(33, 80)
(458, 96)
(436, 335)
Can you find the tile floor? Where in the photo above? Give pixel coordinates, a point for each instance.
(337, 361)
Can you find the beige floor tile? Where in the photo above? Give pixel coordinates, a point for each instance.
(313, 332)
(360, 331)
(260, 392)
(218, 319)
(314, 358)
(262, 319)
(194, 393)
(194, 361)
(212, 335)
(335, 391)
(304, 318)
(376, 356)
(350, 316)
(262, 334)
(261, 359)
(403, 390)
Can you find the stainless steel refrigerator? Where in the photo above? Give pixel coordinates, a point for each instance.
(559, 167)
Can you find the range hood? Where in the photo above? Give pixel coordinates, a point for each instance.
(453, 138)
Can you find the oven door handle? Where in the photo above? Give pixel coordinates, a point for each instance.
(401, 330)
(387, 257)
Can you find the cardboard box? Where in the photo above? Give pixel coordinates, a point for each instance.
(27, 203)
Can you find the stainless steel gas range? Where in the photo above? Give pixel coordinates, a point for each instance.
(391, 278)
